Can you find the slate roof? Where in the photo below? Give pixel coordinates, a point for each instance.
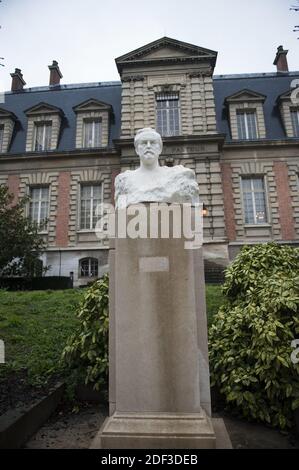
(68, 96)
(64, 97)
(270, 84)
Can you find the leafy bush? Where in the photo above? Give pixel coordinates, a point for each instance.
(250, 339)
(86, 351)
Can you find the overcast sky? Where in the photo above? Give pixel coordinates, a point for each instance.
(85, 36)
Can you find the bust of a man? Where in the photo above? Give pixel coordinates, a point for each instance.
(152, 182)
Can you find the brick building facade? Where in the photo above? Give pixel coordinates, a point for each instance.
(64, 144)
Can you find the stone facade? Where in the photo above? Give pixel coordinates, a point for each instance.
(214, 152)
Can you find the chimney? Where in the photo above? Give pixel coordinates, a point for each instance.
(280, 60)
(17, 82)
(55, 74)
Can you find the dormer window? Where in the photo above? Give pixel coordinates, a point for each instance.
(168, 114)
(93, 119)
(295, 121)
(247, 125)
(43, 133)
(91, 133)
(43, 127)
(7, 122)
(246, 115)
(289, 113)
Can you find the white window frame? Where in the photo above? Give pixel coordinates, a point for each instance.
(44, 125)
(92, 184)
(296, 113)
(252, 191)
(42, 225)
(166, 98)
(92, 121)
(245, 113)
(90, 261)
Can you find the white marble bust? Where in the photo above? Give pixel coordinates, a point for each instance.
(152, 182)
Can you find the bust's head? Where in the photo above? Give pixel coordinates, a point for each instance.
(148, 145)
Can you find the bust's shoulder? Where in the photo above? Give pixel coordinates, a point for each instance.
(183, 171)
(123, 176)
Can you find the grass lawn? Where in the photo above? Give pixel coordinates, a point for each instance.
(214, 299)
(35, 325)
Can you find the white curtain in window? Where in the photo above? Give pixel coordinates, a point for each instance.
(92, 133)
(39, 205)
(247, 125)
(295, 121)
(91, 197)
(254, 200)
(43, 134)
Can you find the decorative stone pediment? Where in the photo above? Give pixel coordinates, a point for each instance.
(92, 105)
(166, 50)
(43, 108)
(243, 101)
(245, 95)
(40, 113)
(286, 96)
(288, 103)
(4, 114)
(92, 109)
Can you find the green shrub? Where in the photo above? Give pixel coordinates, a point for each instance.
(250, 338)
(86, 351)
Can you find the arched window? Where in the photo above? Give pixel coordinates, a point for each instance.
(88, 267)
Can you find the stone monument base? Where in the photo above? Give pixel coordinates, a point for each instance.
(156, 431)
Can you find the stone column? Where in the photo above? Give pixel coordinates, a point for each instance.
(159, 375)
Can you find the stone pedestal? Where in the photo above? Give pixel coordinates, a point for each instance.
(159, 393)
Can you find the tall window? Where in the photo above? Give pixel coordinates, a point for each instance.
(39, 205)
(88, 267)
(254, 200)
(168, 113)
(295, 121)
(92, 133)
(43, 132)
(91, 197)
(247, 125)
(1, 137)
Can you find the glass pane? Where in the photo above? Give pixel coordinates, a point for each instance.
(168, 114)
(97, 191)
(48, 133)
(84, 268)
(86, 192)
(97, 134)
(87, 134)
(251, 125)
(248, 208)
(258, 184)
(241, 126)
(39, 145)
(260, 208)
(93, 267)
(246, 184)
(295, 122)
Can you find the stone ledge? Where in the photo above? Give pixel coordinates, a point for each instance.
(158, 431)
(18, 425)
